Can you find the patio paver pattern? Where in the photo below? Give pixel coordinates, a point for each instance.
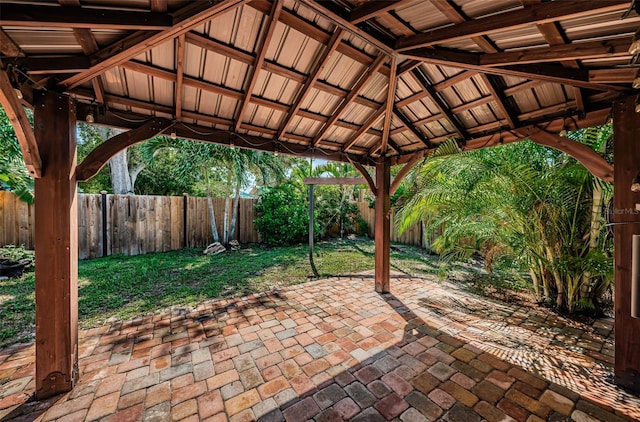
(334, 350)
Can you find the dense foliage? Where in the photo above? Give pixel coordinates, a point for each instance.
(283, 216)
(523, 207)
(13, 173)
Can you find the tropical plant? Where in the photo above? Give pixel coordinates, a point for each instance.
(282, 215)
(13, 173)
(526, 205)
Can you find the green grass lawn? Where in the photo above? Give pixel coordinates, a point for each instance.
(126, 286)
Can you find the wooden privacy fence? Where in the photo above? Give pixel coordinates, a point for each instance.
(139, 224)
(132, 224)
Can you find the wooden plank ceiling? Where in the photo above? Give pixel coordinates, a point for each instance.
(345, 80)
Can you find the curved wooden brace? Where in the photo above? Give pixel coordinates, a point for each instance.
(405, 170)
(596, 165)
(366, 175)
(97, 159)
(21, 126)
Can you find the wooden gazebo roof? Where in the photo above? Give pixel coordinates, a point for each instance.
(343, 80)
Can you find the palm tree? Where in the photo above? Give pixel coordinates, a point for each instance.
(522, 203)
(235, 168)
(13, 173)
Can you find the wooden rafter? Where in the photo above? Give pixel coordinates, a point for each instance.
(388, 113)
(179, 76)
(440, 105)
(545, 12)
(616, 47)
(407, 66)
(364, 128)
(395, 184)
(411, 127)
(193, 15)
(455, 79)
(89, 45)
(40, 16)
(317, 33)
(101, 155)
(261, 47)
(275, 68)
(20, 123)
(372, 9)
(541, 71)
(353, 93)
(322, 10)
(313, 77)
(492, 83)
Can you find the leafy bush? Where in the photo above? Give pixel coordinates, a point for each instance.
(283, 216)
(15, 253)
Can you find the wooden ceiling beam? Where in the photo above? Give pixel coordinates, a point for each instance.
(509, 20)
(261, 46)
(492, 83)
(440, 105)
(472, 104)
(454, 13)
(592, 79)
(325, 11)
(353, 93)
(617, 47)
(40, 16)
(20, 123)
(364, 128)
(101, 155)
(455, 79)
(372, 9)
(127, 120)
(388, 113)
(407, 66)
(180, 51)
(191, 16)
(311, 80)
(367, 177)
(521, 133)
(411, 99)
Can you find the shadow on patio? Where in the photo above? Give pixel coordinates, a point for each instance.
(332, 350)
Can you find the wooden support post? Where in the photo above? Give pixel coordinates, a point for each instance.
(626, 152)
(383, 224)
(56, 227)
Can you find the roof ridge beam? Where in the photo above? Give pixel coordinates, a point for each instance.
(518, 18)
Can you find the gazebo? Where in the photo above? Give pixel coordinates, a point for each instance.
(377, 84)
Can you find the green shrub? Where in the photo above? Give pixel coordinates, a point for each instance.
(283, 216)
(15, 253)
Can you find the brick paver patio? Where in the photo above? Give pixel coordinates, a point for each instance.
(334, 350)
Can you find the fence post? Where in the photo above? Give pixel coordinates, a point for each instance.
(103, 193)
(185, 197)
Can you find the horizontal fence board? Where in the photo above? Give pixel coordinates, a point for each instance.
(138, 224)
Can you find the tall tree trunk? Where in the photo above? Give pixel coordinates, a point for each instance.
(212, 218)
(212, 214)
(234, 215)
(225, 231)
(119, 170)
(594, 234)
